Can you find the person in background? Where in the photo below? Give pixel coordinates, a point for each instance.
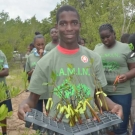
(131, 40)
(33, 58)
(31, 46)
(34, 48)
(29, 49)
(68, 51)
(55, 39)
(119, 70)
(81, 41)
(124, 38)
(28, 52)
(3, 73)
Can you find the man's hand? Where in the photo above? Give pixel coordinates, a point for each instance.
(114, 108)
(30, 72)
(22, 110)
(41, 51)
(27, 104)
(117, 109)
(122, 78)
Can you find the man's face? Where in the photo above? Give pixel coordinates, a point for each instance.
(39, 44)
(107, 37)
(54, 34)
(68, 27)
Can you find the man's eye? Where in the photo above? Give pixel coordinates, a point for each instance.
(102, 37)
(108, 36)
(105, 37)
(74, 23)
(63, 24)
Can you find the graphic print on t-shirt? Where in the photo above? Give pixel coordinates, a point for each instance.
(75, 71)
(108, 64)
(84, 59)
(72, 88)
(68, 90)
(33, 64)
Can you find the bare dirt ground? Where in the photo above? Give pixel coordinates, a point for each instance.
(16, 126)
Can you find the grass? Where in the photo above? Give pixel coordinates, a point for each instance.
(15, 76)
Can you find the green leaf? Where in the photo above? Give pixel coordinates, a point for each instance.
(53, 76)
(131, 46)
(2, 125)
(45, 84)
(70, 66)
(10, 113)
(2, 108)
(91, 60)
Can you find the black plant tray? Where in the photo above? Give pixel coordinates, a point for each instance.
(42, 123)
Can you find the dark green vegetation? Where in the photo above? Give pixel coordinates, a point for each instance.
(17, 35)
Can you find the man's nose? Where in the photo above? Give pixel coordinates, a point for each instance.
(41, 47)
(69, 27)
(54, 33)
(105, 39)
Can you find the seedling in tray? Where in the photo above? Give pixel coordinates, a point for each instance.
(39, 121)
(76, 106)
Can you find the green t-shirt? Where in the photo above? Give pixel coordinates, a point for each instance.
(50, 46)
(115, 63)
(31, 64)
(3, 64)
(57, 62)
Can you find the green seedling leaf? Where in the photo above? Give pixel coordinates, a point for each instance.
(25, 79)
(3, 112)
(131, 46)
(14, 91)
(2, 108)
(91, 60)
(70, 66)
(45, 84)
(10, 113)
(53, 76)
(3, 95)
(2, 125)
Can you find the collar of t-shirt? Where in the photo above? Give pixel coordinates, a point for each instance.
(66, 51)
(36, 53)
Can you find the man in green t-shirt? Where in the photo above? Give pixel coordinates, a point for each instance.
(68, 61)
(3, 73)
(55, 40)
